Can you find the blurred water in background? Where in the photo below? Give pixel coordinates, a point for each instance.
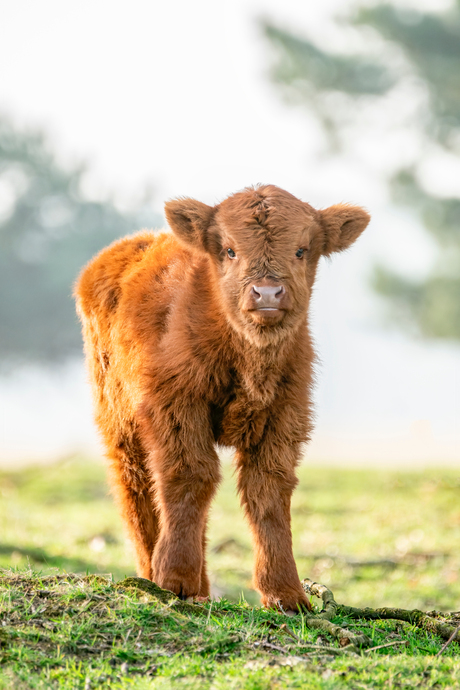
(177, 100)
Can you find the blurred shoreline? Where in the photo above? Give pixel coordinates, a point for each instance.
(46, 416)
(406, 453)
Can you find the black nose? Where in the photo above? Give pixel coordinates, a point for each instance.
(267, 296)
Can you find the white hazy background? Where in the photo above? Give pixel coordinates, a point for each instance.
(176, 96)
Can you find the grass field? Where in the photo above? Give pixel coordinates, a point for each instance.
(376, 538)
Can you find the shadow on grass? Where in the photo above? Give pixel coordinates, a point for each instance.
(41, 556)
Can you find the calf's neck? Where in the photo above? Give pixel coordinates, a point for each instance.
(199, 338)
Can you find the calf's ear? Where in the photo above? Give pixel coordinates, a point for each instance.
(189, 220)
(342, 225)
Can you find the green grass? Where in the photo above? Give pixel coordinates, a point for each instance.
(85, 632)
(375, 538)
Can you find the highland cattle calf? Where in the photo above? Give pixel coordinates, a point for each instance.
(198, 338)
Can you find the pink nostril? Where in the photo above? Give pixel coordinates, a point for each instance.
(267, 295)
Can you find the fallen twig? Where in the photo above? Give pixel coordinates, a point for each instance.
(321, 621)
(304, 645)
(382, 646)
(415, 617)
(270, 645)
(289, 632)
(451, 639)
(409, 558)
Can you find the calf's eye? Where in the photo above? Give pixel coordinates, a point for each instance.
(231, 254)
(299, 253)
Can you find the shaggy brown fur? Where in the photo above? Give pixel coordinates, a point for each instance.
(200, 338)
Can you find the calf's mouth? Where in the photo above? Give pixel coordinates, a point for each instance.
(267, 316)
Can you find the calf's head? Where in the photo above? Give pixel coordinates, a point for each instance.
(264, 245)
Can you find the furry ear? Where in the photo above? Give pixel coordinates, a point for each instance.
(342, 225)
(189, 220)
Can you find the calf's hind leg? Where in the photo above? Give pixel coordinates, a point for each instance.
(132, 485)
(205, 586)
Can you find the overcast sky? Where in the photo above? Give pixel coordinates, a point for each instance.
(176, 96)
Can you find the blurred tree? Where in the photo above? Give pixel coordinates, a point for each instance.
(48, 231)
(394, 49)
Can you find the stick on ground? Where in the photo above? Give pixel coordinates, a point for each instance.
(440, 626)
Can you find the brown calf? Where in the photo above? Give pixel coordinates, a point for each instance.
(200, 338)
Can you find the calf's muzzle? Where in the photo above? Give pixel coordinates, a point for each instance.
(267, 296)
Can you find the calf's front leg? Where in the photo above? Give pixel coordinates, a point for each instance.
(184, 487)
(265, 487)
(186, 472)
